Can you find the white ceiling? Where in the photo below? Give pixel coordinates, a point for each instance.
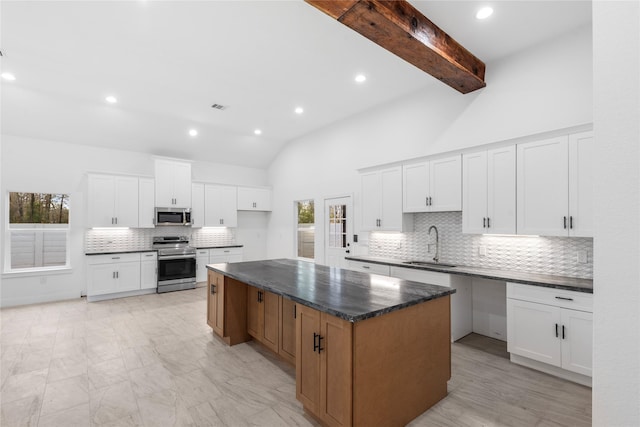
(167, 62)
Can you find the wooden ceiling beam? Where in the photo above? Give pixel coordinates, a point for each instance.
(401, 29)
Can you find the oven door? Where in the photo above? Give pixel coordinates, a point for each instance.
(176, 269)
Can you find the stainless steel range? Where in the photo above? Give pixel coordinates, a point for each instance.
(176, 263)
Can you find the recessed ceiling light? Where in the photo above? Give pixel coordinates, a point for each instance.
(299, 110)
(8, 76)
(361, 78)
(484, 13)
(257, 132)
(193, 132)
(111, 99)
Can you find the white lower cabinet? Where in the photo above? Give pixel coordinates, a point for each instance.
(214, 256)
(551, 330)
(113, 273)
(116, 275)
(149, 270)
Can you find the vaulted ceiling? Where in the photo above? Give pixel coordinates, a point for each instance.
(168, 62)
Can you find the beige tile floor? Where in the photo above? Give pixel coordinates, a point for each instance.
(152, 361)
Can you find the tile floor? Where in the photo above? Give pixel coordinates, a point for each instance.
(152, 361)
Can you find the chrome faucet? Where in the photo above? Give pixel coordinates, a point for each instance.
(436, 257)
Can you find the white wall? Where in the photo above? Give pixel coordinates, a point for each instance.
(31, 165)
(545, 88)
(616, 359)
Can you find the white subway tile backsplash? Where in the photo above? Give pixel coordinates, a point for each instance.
(133, 239)
(548, 255)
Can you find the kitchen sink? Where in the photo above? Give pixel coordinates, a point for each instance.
(428, 264)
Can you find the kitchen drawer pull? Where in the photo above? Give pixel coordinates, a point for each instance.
(115, 257)
(366, 267)
(149, 255)
(226, 252)
(565, 298)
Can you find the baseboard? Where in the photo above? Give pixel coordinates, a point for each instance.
(94, 298)
(551, 370)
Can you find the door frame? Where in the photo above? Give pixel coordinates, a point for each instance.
(324, 231)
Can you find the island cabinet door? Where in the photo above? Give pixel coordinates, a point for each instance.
(262, 317)
(307, 359)
(324, 362)
(288, 313)
(215, 302)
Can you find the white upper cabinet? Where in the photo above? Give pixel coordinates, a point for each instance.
(382, 200)
(173, 184)
(253, 199)
(146, 202)
(554, 195)
(433, 186)
(112, 201)
(489, 191)
(220, 208)
(197, 205)
(581, 160)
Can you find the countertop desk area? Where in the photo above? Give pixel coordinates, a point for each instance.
(368, 349)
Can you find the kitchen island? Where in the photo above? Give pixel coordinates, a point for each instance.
(368, 349)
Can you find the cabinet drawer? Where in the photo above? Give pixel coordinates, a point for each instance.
(149, 256)
(112, 258)
(369, 267)
(551, 296)
(424, 276)
(225, 251)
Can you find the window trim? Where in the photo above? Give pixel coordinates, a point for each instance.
(34, 271)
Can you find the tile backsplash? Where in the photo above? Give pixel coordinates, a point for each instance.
(133, 239)
(548, 255)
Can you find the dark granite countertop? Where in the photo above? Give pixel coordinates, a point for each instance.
(219, 247)
(545, 280)
(120, 252)
(349, 295)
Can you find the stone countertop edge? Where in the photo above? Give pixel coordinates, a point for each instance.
(219, 247)
(544, 280)
(134, 251)
(264, 284)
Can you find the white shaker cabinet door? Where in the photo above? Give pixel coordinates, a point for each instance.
(371, 199)
(445, 181)
(581, 160)
(577, 341)
(543, 185)
(391, 209)
(146, 203)
(101, 201)
(533, 331)
(501, 190)
(474, 193)
(416, 187)
(126, 201)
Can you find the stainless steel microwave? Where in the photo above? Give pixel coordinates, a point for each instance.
(173, 216)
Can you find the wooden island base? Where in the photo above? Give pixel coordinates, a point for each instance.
(381, 371)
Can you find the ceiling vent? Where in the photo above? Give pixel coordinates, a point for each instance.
(219, 107)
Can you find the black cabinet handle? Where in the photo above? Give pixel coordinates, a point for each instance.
(563, 334)
(571, 222)
(488, 222)
(259, 296)
(556, 330)
(320, 338)
(315, 340)
(294, 312)
(213, 289)
(565, 298)
(426, 201)
(565, 222)
(484, 222)
(430, 202)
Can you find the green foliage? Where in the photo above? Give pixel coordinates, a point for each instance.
(306, 212)
(38, 208)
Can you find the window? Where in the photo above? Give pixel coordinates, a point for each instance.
(37, 232)
(306, 229)
(338, 226)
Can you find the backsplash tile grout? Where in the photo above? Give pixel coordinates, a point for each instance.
(547, 255)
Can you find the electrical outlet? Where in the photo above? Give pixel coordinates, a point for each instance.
(582, 257)
(482, 251)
